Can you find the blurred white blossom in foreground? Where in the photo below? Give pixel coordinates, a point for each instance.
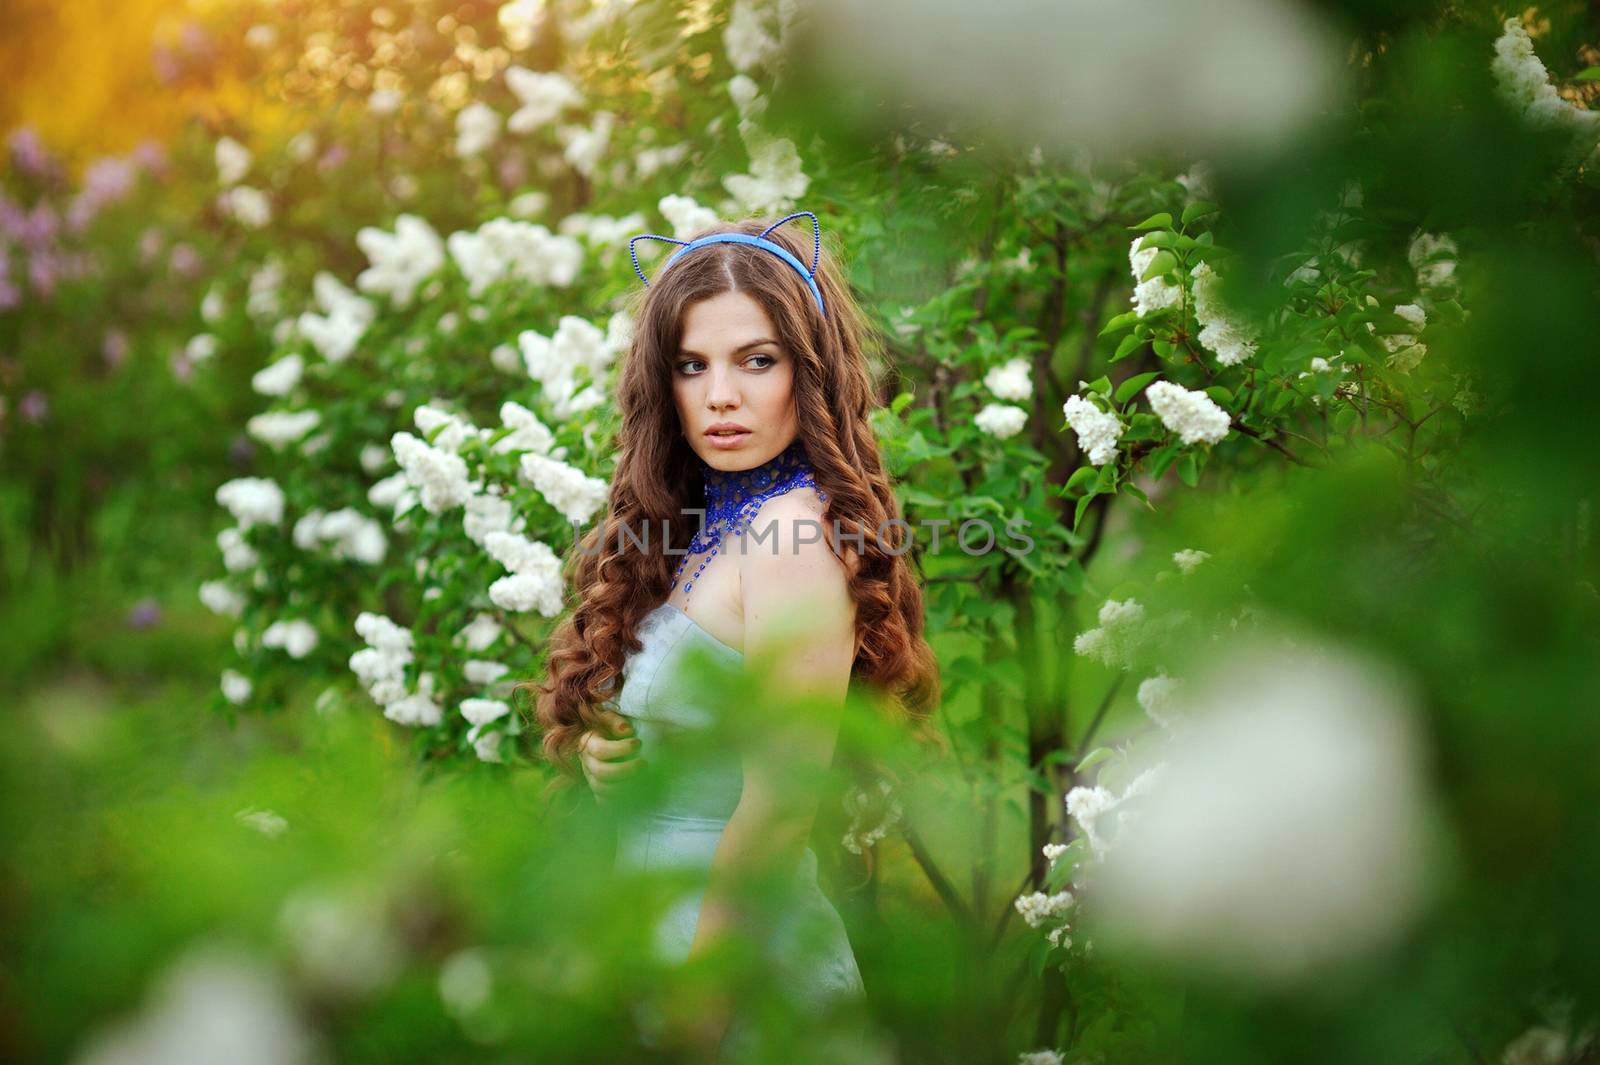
(1141, 74)
(1290, 825)
(212, 1004)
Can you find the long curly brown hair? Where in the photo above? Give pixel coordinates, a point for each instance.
(657, 480)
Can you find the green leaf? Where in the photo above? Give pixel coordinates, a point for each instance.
(1092, 759)
(1072, 577)
(1129, 345)
(1588, 74)
(1198, 209)
(1160, 459)
(1134, 385)
(1121, 321)
(1161, 238)
(1081, 478)
(900, 402)
(1102, 385)
(1164, 348)
(1161, 220)
(1077, 514)
(1189, 469)
(1161, 264)
(1223, 397)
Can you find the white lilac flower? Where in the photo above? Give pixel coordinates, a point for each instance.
(873, 811)
(465, 981)
(347, 533)
(608, 234)
(280, 428)
(481, 671)
(485, 743)
(374, 457)
(1230, 338)
(1406, 349)
(213, 307)
(528, 204)
(346, 317)
(1086, 805)
(1194, 416)
(543, 97)
(566, 488)
(266, 822)
(388, 492)
(1011, 380)
(1291, 830)
(252, 501)
(477, 128)
(746, 94)
(261, 300)
(1000, 420)
(233, 161)
(1098, 430)
(583, 146)
(647, 162)
(384, 102)
(220, 597)
(297, 638)
(747, 37)
(236, 687)
(1113, 640)
(201, 346)
(1433, 260)
(1037, 908)
(1157, 696)
(528, 433)
(522, 592)
(1040, 1057)
(1053, 851)
(775, 180)
(484, 711)
(1155, 294)
(250, 206)
(1187, 559)
(280, 378)
(339, 938)
(479, 634)
(686, 216)
(419, 709)
(554, 361)
(400, 260)
(1525, 84)
(484, 514)
(443, 429)
(440, 476)
(507, 248)
(237, 556)
(1198, 182)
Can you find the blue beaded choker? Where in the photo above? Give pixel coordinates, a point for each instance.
(734, 496)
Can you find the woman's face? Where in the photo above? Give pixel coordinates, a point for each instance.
(732, 371)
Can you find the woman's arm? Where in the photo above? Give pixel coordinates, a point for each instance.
(800, 631)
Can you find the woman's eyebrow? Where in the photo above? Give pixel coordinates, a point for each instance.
(742, 347)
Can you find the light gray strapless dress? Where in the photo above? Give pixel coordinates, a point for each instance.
(680, 829)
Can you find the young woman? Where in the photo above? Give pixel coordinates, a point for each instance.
(746, 395)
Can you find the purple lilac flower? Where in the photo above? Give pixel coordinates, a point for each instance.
(34, 407)
(114, 349)
(185, 260)
(146, 613)
(28, 151)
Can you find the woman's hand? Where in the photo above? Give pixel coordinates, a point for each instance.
(608, 761)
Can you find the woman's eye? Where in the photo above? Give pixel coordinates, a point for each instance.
(685, 367)
(769, 362)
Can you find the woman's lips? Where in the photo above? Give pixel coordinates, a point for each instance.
(727, 440)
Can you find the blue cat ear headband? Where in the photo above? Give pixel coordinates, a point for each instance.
(745, 238)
